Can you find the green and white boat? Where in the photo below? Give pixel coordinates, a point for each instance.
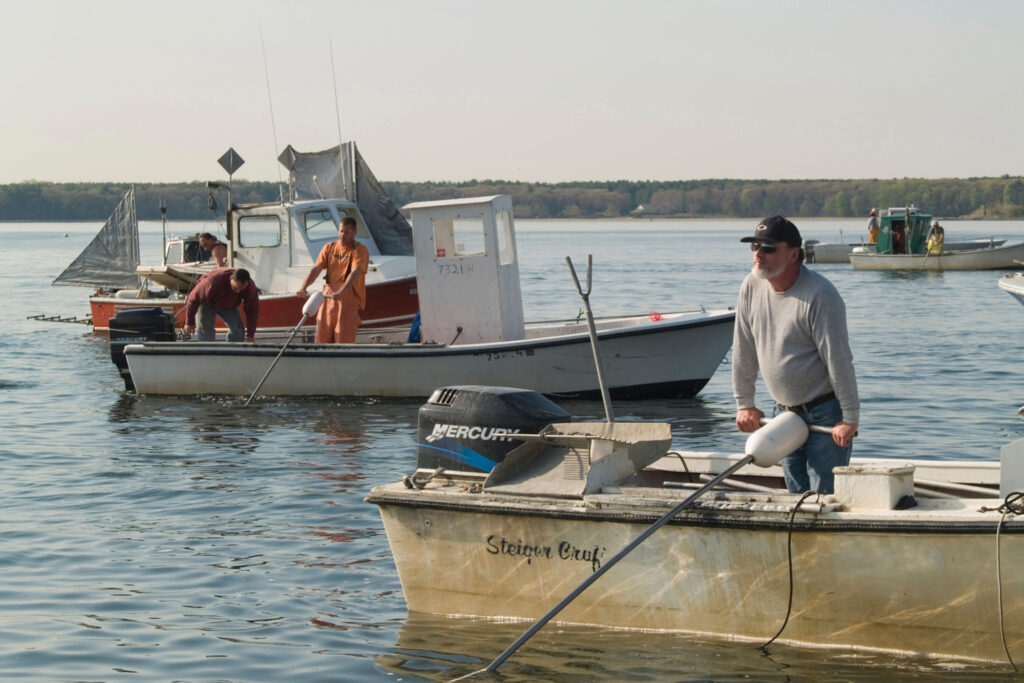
(901, 246)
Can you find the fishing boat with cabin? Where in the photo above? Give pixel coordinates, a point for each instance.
(277, 242)
(472, 330)
(902, 245)
(839, 252)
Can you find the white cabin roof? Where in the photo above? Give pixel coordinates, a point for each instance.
(467, 201)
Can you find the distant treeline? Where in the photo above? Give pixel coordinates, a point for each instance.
(947, 198)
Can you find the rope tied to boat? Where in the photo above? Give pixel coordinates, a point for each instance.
(411, 482)
(789, 555)
(1013, 504)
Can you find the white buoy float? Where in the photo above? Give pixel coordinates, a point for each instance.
(779, 437)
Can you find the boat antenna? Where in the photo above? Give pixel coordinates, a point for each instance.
(337, 118)
(163, 222)
(334, 82)
(270, 102)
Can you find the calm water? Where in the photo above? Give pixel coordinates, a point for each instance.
(164, 539)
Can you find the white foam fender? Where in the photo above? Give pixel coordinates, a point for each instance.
(312, 304)
(779, 437)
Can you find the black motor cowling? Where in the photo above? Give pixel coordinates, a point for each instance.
(134, 326)
(459, 427)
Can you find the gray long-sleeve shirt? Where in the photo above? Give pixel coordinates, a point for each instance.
(797, 339)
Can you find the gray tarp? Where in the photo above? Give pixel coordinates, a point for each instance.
(390, 230)
(111, 258)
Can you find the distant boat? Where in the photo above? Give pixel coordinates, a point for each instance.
(902, 246)
(839, 252)
(996, 258)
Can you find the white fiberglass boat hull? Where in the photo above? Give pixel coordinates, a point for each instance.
(996, 258)
(921, 580)
(674, 356)
(1013, 284)
(839, 252)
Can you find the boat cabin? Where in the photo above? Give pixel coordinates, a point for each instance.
(467, 270)
(904, 230)
(185, 250)
(278, 242)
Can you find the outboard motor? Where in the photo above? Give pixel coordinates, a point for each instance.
(134, 326)
(459, 427)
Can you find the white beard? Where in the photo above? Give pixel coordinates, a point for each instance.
(766, 274)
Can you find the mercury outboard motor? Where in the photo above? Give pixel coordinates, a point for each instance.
(134, 326)
(460, 427)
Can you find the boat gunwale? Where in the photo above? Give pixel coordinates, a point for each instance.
(700, 515)
(711, 318)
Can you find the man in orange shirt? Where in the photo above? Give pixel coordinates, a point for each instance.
(346, 262)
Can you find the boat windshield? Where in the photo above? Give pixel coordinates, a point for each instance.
(320, 224)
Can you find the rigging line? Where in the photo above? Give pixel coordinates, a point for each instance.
(999, 587)
(334, 82)
(789, 554)
(270, 102)
(337, 118)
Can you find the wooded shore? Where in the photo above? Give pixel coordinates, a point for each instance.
(974, 198)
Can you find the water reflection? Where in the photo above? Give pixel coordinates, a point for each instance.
(440, 649)
(346, 426)
(912, 275)
(351, 426)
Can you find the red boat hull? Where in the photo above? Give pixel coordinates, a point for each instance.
(390, 303)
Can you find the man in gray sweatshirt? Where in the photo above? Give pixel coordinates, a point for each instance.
(791, 326)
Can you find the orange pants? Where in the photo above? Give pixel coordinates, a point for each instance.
(337, 321)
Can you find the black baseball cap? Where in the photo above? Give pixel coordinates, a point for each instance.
(775, 229)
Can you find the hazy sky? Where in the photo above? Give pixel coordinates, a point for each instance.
(549, 90)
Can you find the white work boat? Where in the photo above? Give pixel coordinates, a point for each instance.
(472, 331)
(902, 245)
(907, 556)
(1004, 257)
(1013, 284)
(839, 252)
(277, 242)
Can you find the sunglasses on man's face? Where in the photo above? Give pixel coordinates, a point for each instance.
(766, 248)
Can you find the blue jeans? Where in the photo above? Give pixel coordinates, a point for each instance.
(810, 466)
(205, 319)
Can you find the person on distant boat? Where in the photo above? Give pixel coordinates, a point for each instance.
(218, 250)
(899, 237)
(873, 228)
(936, 240)
(219, 293)
(791, 327)
(346, 262)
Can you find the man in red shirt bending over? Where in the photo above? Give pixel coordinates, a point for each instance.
(219, 293)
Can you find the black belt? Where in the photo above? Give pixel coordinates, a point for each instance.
(810, 405)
